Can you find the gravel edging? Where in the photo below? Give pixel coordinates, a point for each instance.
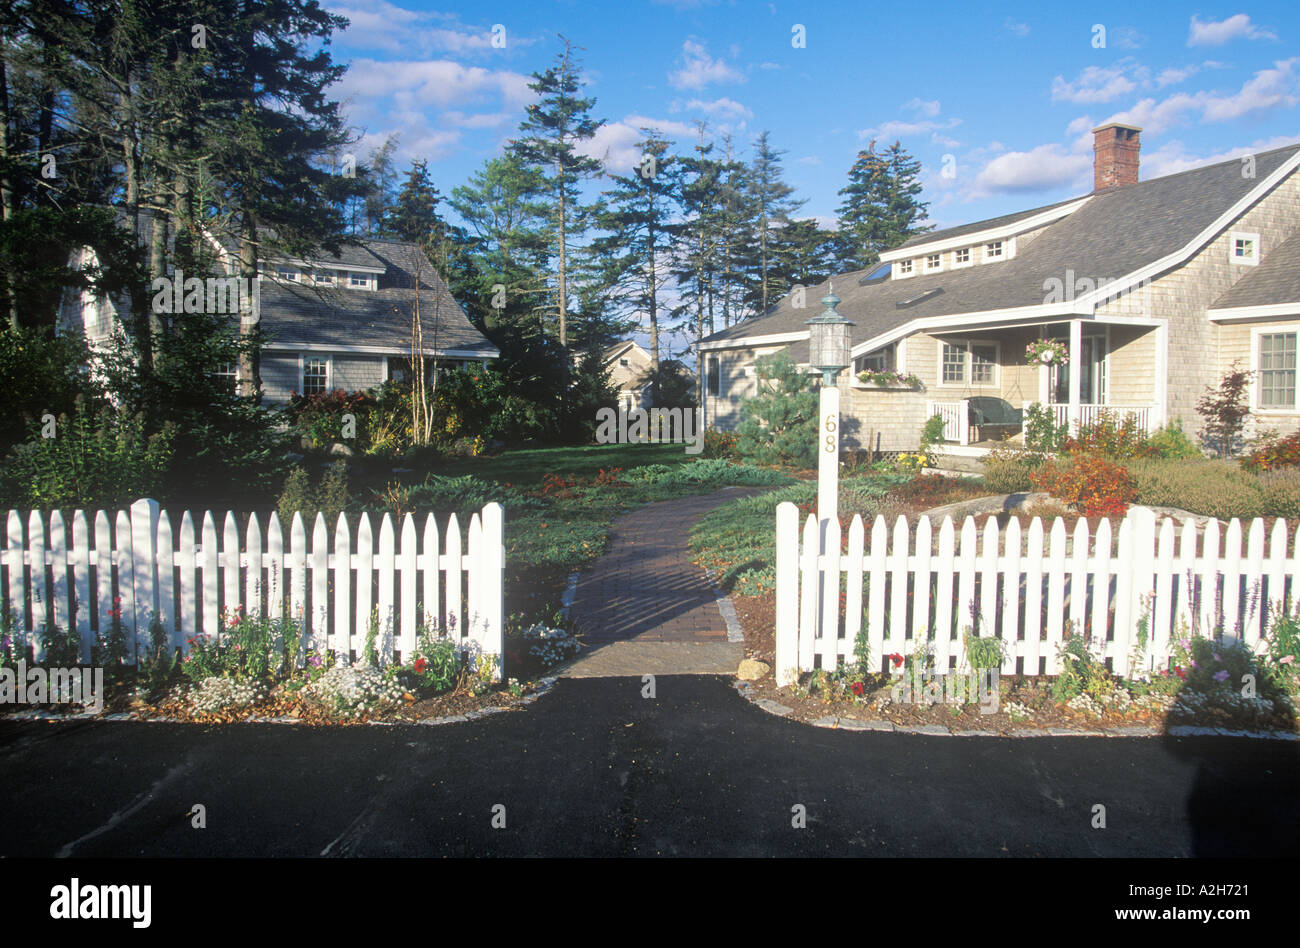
(834, 722)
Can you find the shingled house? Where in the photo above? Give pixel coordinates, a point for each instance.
(1154, 287)
(331, 321)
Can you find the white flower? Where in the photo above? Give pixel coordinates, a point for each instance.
(1047, 355)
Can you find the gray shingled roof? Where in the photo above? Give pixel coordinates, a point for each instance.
(1275, 280)
(298, 314)
(1117, 232)
(963, 229)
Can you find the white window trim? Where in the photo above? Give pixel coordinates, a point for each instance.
(1232, 249)
(365, 283)
(329, 371)
(967, 372)
(937, 267)
(1008, 250)
(288, 273)
(896, 271)
(970, 259)
(1255, 333)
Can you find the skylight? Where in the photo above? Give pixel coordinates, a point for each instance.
(876, 275)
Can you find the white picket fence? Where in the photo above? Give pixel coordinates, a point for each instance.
(189, 578)
(1014, 585)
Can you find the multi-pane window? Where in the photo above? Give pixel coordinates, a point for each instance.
(227, 373)
(714, 378)
(323, 276)
(315, 375)
(905, 266)
(961, 256)
(1277, 370)
(881, 360)
(286, 273)
(982, 361)
(1244, 248)
(358, 279)
(932, 262)
(993, 251)
(954, 361)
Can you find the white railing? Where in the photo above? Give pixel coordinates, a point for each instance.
(956, 419)
(1014, 586)
(331, 585)
(1089, 413)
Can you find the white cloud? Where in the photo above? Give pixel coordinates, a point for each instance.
(766, 65)
(1126, 37)
(1173, 76)
(1094, 84)
(434, 82)
(378, 24)
(1212, 33)
(615, 143)
(1044, 168)
(698, 68)
(722, 108)
(1016, 28)
(928, 108)
(898, 130)
(1173, 157)
(1154, 117)
(1268, 88)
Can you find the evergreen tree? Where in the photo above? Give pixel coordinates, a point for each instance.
(413, 215)
(771, 206)
(880, 209)
(699, 238)
(552, 131)
(640, 216)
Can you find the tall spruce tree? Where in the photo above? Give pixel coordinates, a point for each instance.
(696, 260)
(552, 131)
(772, 203)
(640, 217)
(880, 209)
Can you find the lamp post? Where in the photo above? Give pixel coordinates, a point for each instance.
(828, 351)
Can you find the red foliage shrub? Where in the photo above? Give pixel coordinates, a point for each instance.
(1276, 454)
(1091, 484)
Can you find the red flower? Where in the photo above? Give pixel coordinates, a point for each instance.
(420, 665)
(896, 659)
(1182, 673)
(858, 688)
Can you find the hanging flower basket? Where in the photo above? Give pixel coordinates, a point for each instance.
(1047, 352)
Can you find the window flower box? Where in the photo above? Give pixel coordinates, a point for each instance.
(890, 380)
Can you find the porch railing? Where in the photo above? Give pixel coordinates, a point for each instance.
(1090, 413)
(956, 419)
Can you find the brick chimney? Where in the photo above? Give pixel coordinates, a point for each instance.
(1116, 161)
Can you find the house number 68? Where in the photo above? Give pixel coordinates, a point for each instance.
(830, 437)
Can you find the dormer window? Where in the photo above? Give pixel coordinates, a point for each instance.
(1245, 249)
(286, 272)
(359, 280)
(961, 257)
(323, 276)
(905, 268)
(932, 262)
(993, 251)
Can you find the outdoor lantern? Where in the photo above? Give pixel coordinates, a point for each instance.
(828, 340)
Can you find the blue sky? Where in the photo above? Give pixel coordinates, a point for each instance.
(1010, 93)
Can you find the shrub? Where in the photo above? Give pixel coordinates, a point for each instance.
(95, 460)
(718, 444)
(932, 433)
(1109, 437)
(1008, 471)
(1094, 485)
(1275, 453)
(463, 495)
(329, 496)
(320, 417)
(1281, 490)
(779, 423)
(984, 652)
(1212, 488)
(1042, 433)
(1170, 441)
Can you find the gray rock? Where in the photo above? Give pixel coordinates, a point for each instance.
(751, 670)
(773, 707)
(826, 722)
(340, 450)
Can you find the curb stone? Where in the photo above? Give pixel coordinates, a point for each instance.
(826, 722)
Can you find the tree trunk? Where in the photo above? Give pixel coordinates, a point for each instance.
(250, 354)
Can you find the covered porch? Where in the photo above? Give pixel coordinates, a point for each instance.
(1117, 367)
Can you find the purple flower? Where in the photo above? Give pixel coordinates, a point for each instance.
(1195, 663)
(5, 643)
(1217, 658)
(1221, 675)
(314, 661)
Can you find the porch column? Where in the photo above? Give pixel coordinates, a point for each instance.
(1076, 374)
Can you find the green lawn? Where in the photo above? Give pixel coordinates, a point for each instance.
(527, 466)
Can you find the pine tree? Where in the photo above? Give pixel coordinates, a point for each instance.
(696, 260)
(552, 131)
(413, 214)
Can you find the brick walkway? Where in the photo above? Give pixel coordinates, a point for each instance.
(644, 607)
